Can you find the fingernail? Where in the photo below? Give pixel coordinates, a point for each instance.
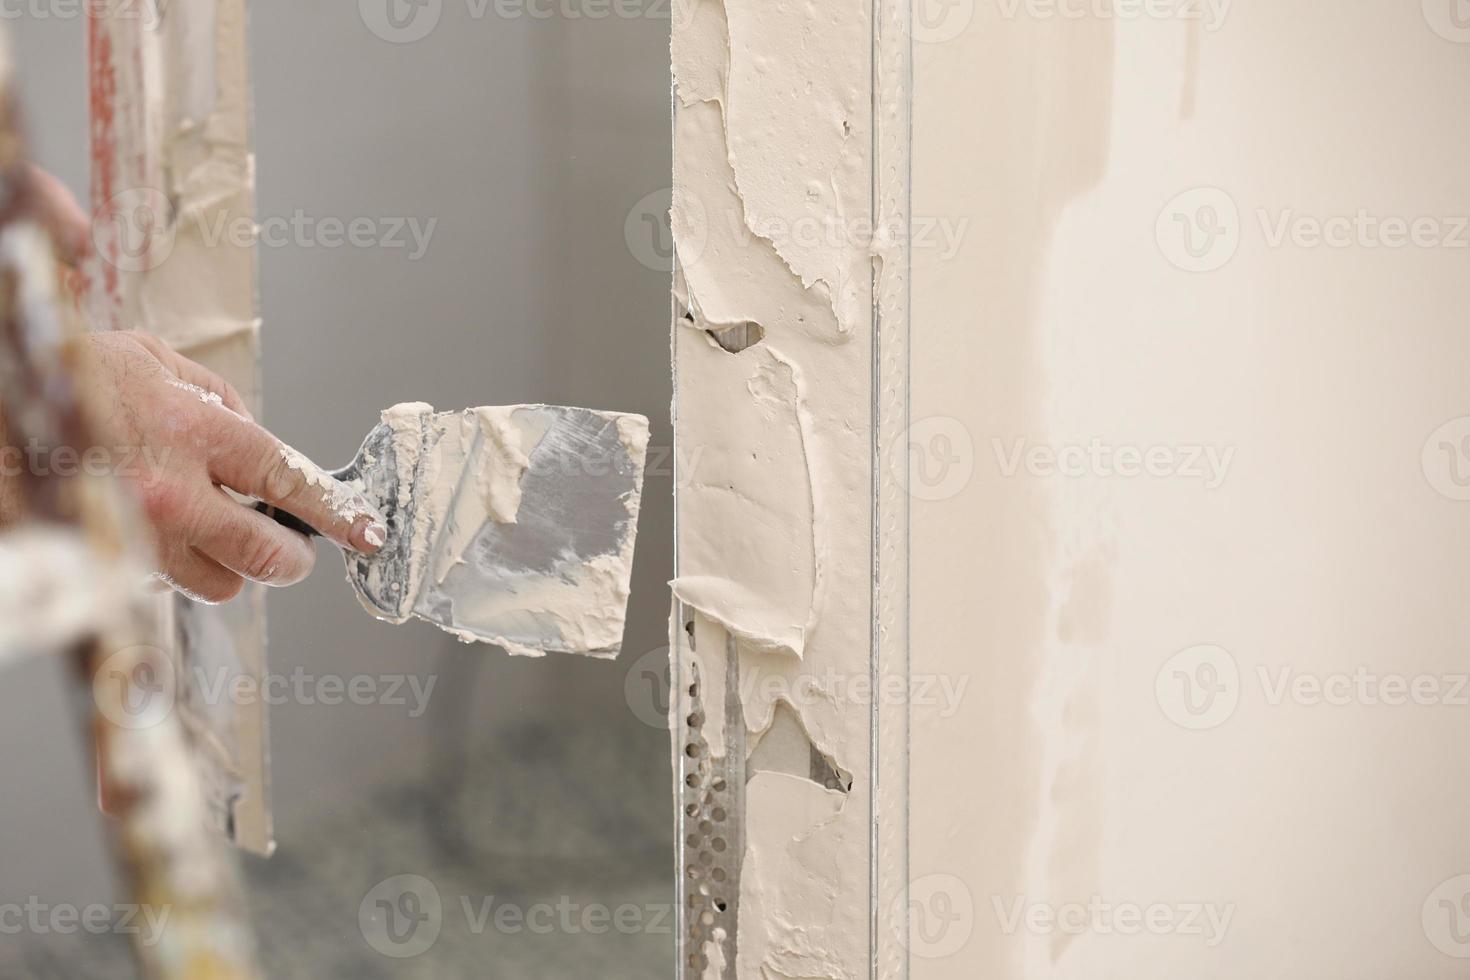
(372, 537)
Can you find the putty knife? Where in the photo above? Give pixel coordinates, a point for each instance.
(512, 526)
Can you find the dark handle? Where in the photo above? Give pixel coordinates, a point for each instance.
(286, 519)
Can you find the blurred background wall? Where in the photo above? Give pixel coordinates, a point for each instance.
(538, 148)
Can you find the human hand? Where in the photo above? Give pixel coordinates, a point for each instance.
(190, 436)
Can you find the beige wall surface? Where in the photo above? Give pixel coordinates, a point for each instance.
(1191, 391)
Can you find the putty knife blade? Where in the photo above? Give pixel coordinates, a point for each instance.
(512, 526)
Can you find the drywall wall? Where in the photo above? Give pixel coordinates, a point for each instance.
(1185, 516)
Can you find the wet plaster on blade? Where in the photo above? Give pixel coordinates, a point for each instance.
(774, 517)
(460, 470)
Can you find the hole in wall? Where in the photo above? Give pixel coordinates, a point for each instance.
(738, 338)
(785, 747)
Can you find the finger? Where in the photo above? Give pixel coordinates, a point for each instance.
(248, 459)
(58, 209)
(201, 379)
(252, 545)
(201, 579)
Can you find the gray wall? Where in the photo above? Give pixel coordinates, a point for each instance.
(529, 140)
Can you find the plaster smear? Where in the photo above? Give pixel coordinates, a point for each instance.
(488, 536)
(772, 193)
(345, 500)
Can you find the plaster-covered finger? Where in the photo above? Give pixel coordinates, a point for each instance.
(254, 546)
(250, 460)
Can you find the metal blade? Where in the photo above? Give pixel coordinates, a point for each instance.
(517, 528)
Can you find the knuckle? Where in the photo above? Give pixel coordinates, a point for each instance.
(280, 481)
(164, 503)
(265, 559)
